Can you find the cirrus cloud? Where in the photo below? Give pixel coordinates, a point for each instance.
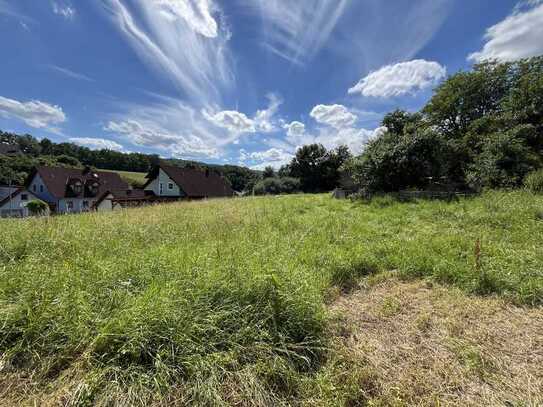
(400, 79)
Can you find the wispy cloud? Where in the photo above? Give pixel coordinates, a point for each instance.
(71, 74)
(297, 30)
(182, 40)
(63, 9)
(34, 113)
(518, 36)
(9, 10)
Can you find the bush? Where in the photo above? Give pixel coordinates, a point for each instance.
(275, 186)
(534, 181)
(37, 208)
(504, 161)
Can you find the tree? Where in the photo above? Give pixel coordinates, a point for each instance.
(504, 161)
(269, 172)
(466, 97)
(317, 168)
(275, 186)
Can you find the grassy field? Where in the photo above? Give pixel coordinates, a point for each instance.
(136, 179)
(229, 302)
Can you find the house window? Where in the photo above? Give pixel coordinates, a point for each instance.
(85, 204)
(41, 188)
(34, 187)
(24, 197)
(170, 185)
(70, 205)
(161, 188)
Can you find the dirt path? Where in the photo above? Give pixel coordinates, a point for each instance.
(429, 345)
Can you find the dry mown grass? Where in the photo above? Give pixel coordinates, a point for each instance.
(428, 345)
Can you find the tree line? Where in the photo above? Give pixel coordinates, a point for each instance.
(480, 129)
(33, 152)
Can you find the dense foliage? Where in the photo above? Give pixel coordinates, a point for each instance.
(277, 185)
(317, 168)
(45, 152)
(482, 128)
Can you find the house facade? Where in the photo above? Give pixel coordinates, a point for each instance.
(14, 200)
(122, 199)
(72, 190)
(166, 181)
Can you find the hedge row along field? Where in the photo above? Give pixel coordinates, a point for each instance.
(224, 302)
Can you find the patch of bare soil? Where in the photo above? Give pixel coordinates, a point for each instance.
(430, 345)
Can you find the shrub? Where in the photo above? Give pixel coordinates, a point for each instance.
(275, 186)
(37, 208)
(534, 181)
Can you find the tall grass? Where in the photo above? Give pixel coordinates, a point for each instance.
(223, 302)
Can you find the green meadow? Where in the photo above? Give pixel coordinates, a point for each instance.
(225, 302)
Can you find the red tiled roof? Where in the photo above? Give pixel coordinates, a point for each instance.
(198, 183)
(56, 180)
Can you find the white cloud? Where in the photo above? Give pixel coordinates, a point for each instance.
(518, 36)
(337, 116)
(34, 113)
(71, 74)
(148, 134)
(171, 127)
(400, 79)
(354, 138)
(297, 30)
(238, 123)
(181, 40)
(232, 120)
(96, 143)
(274, 157)
(63, 10)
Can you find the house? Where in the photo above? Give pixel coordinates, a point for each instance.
(13, 201)
(72, 190)
(169, 182)
(120, 199)
(9, 149)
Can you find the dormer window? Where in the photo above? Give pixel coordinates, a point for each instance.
(92, 187)
(78, 187)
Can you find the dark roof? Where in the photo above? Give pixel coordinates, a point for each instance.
(124, 195)
(196, 183)
(128, 194)
(8, 149)
(17, 191)
(11, 196)
(56, 179)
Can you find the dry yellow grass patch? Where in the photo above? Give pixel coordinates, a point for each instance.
(429, 345)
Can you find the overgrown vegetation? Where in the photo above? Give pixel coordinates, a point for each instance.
(481, 129)
(223, 302)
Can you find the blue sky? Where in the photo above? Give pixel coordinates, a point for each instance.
(240, 81)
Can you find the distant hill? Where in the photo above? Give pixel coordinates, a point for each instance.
(30, 152)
